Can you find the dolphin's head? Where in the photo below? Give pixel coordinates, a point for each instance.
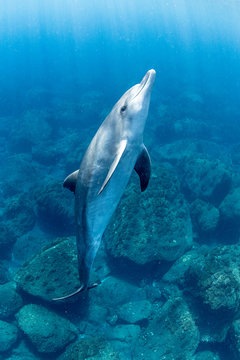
(133, 105)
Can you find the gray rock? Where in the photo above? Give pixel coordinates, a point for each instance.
(206, 355)
(26, 246)
(10, 300)
(22, 351)
(7, 236)
(4, 273)
(127, 333)
(135, 311)
(18, 170)
(205, 217)
(151, 226)
(47, 331)
(234, 338)
(8, 335)
(113, 292)
(172, 334)
(177, 271)
(53, 272)
(55, 209)
(183, 150)
(19, 214)
(97, 314)
(90, 348)
(206, 179)
(230, 207)
(215, 278)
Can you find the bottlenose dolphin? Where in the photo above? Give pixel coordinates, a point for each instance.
(116, 149)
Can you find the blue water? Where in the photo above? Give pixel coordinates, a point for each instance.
(63, 65)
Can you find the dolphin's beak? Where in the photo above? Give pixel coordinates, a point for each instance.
(146, 84)
(148, 80)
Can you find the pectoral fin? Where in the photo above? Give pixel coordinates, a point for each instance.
(70, 181)
(118, 156)
(143, 168)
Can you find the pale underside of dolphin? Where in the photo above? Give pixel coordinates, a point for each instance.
(116, 149)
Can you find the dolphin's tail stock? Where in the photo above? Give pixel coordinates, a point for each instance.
(81, 289)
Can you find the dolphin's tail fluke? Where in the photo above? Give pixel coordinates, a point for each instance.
(81, 289)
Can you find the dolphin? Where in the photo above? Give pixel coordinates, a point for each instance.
(116, 149)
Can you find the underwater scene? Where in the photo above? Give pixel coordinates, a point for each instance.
(140, 260)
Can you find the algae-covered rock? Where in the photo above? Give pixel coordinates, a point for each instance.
(135, 311)
(10, 300)
(47, 331)
(51, 273)
(206, 355)
(7, 235)
(234, 338)
(185, 150)
(18, 174)
(94, 348)
(172, 334)
(97, 314)
(230, 207)
(206, 179)
(4, 273)
(128, 333)
(26, 246)
(22, 351)
(8, 335)
(215, 278)
(113, 291)
(177, 271)
(151, 226)
(55, 209)
(32, 127)
(205, 217)
(19, 214)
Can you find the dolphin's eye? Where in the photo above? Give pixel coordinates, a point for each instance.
(123, 108)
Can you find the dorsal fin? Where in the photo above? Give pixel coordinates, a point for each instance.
(118, 156)
(143, 168)
(70, 181)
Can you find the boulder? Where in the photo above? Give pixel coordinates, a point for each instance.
(20, 173)
(27, 246)
(51, 273)
(206, 179)
(55, 209)
(135, 311)
(127, 333)
(10, 300)
(176, 273)
(234, 338)
(8, 335)
(19, 214)
(22, 351)
(93, 348)
(7, 236)
(32, 127)
(151, 226)
(172, 334)
(230, 207)
(206, 355)
(205, 217)
(47, 331)
(215, 278)
(185, 150)
(4, 273)
(113, 292)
